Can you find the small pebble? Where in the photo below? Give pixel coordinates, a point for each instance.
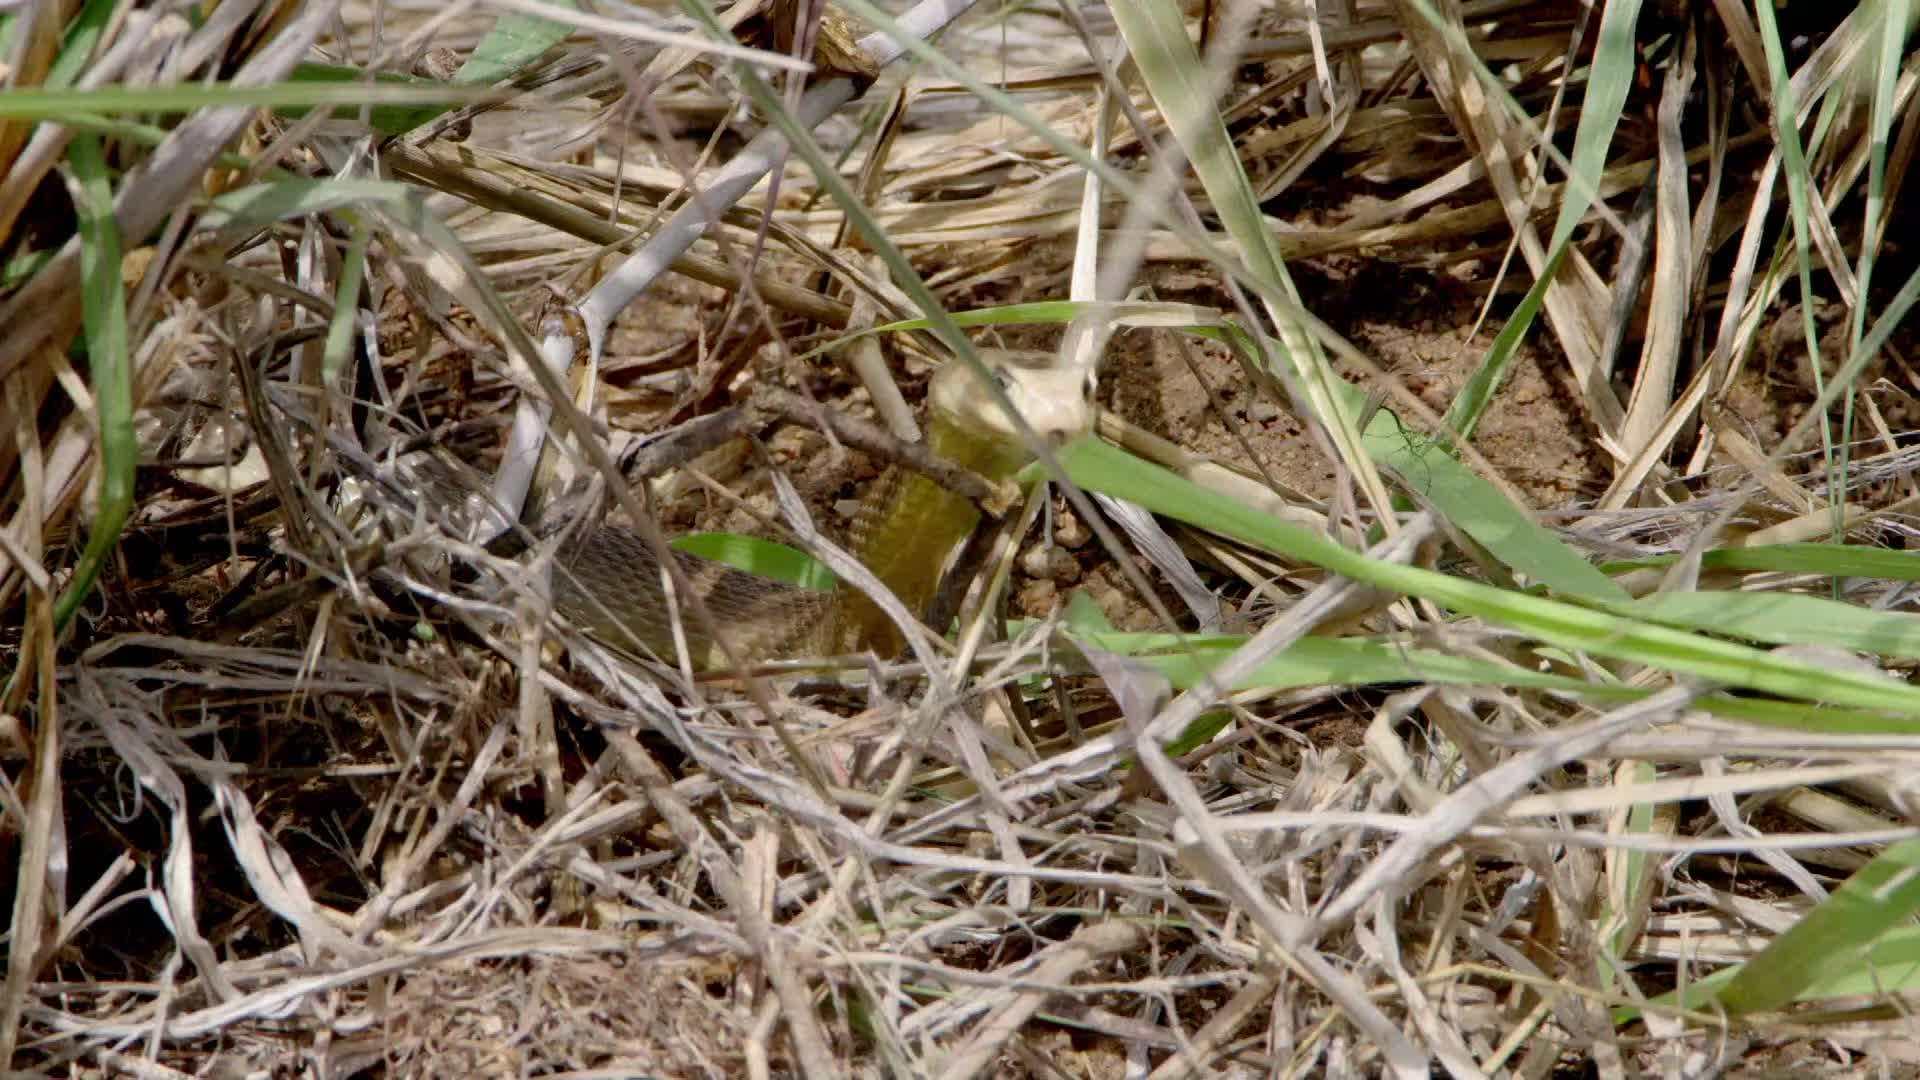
(1068, 532)
(1034, 562)
(1037, 599)
(1062, 567)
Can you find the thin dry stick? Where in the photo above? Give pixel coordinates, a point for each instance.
(1203, 847)
(1220, 1027)
(768, 149)
(445, 171)
(48, 307)
(1459, 811)
(29, 926)
(1089, 946)
(810, 1042)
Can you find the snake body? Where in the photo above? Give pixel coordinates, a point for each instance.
(609, 582)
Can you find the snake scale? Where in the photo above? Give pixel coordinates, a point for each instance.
(608, 581)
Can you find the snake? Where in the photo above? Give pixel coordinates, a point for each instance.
(608, 581)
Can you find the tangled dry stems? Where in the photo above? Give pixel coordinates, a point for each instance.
(371, 818)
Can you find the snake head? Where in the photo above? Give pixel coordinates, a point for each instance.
(1053, 398)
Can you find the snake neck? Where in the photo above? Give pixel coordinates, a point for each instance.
(608, 581)
(908, 528)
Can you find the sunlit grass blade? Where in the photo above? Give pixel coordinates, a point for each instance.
(1102, 468)
(1183, 87)
(1833, 949)
(1609, 77)
(1786, 618)
(1833, 560)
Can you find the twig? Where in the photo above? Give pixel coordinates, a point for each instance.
(47, 308)
(862, 435)
(621, 287)
(1089, 946)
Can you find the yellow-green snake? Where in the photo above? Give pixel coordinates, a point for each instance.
(608, 581)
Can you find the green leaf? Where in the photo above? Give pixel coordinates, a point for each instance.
(514, 42)
(766, 558)
(1832, 949)
(1482, 511)
(1786, 619)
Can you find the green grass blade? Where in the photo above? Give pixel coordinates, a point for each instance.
(1629, 877)
(1832, 560)
(1609, 78)
(1476, 394)
(1786, 619)
(1102, 468)
(1891, 965)
(104, 325)
(1830, 939)
(1793, 161)
(83, 35)
(1186, 659)
(346, 305)
(1482, 511)
(264, 204)
(388, 118)
(1183, 88)
(36, 104)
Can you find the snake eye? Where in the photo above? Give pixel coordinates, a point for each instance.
(1001, 379)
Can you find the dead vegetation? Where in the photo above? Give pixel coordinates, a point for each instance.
(1595, 762)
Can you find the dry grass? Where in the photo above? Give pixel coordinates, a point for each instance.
(309, 781)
